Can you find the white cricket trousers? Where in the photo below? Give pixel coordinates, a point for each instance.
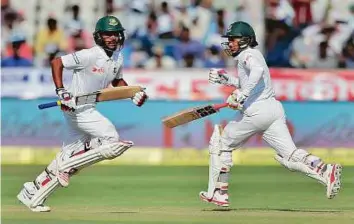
(83, 125)
(266, 117)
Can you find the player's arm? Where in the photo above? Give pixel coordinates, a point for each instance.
(57, 72)
(256, 72)
(66, 98)
(238, 98)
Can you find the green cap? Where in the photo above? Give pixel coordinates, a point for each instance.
(239, 29)
(108, 23)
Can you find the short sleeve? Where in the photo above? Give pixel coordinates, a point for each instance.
(76, 60)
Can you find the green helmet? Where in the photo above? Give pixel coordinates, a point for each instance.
(241, 30)
(108, 24)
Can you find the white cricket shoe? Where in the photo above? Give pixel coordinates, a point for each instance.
(25, 196)
(332, 176)
(218, 198)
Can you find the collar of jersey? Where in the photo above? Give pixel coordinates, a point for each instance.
(103, 53)
(238, 56)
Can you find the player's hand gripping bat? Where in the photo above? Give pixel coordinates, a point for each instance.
(115, 93)
(192, 114)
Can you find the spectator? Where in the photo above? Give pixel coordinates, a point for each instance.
(303, 13)
(280, 10)
(148, 36)
(302, 49)
(16, 60)
(215, 38)
(24, 51)
(138, 13)
(182, 19)
(242, 11)
(50, 39)
(190, 61)
(8, 22)
(74, 19)
(335, 32)
(202, 19)
(8, 14)
(348, 54)
(213, 58)
(79, 39)
(278, 46)
(165, 22)
(323, 60)
(304, 46)
(187, 46)
(159, 60)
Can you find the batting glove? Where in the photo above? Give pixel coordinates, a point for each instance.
(219, 76)
(139, 98)
(67, 100)
(236, 100)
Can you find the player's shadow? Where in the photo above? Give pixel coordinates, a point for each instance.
(270, 209)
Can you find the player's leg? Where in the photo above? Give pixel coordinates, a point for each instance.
(220, 160)
(105, 144)
(36, 192)
(279, 138)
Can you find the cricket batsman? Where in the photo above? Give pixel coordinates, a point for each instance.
(91, 137)
(261, 113)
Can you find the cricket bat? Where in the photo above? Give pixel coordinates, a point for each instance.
(191, 114)
(115, 93)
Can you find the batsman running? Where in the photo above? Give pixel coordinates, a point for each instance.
(260, 113)
(91, 137)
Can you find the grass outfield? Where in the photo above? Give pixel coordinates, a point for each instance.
(148, 194)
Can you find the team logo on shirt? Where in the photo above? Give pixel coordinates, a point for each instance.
(113, 22)
(98, 70)
(248, 57)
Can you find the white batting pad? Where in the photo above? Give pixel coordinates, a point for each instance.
(107, 151)
(214, 160)
(300, 167)
(44, 192)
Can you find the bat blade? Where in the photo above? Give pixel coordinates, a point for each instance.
(189, 115)
(115, 93)
(118, 93)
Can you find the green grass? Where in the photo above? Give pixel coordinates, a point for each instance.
(143, 194)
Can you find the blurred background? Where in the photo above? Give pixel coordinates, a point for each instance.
(170, 45)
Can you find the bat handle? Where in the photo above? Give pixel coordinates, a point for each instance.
(48, 105)
(221, 105)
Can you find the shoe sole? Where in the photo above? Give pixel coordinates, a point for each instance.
(335, 181)
(218, 203)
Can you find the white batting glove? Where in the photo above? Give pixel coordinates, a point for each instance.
(236, 100)
(220, 76)
(139, 98)
(68, 102)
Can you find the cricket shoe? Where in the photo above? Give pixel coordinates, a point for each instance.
(218, 198)
(332, 175)
(25, 196)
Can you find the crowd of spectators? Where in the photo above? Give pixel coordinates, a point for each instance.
(310, 33)
(187, 33)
